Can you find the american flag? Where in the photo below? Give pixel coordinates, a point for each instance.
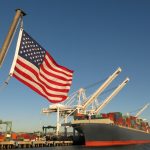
(36, 68)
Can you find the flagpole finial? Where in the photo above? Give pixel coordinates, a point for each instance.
(22, 12)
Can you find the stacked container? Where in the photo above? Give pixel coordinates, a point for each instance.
(133, 121)
(104, 115)
(2, 137)
(111, 116)
(14, 136)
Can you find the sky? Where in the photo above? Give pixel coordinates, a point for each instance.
(91, 37)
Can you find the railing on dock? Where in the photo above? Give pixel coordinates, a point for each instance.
(32, 144)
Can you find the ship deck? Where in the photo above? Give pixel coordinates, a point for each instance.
(104, 121)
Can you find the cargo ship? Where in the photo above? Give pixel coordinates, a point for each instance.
(111, 129)
(93, 128)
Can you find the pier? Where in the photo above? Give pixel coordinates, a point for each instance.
(33, 144)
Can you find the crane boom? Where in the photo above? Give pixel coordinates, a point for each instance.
(101, 88)
(139, 113)
(114, 93)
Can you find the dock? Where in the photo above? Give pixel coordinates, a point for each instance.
(33, 144)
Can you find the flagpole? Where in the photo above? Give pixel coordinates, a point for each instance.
(19, 13)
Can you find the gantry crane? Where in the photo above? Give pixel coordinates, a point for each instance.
(140, 112)
(101, 89)
(109, 98)
(8, 128)
(81, 106)
(8, 125)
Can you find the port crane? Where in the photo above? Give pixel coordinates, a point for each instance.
(113, 94)
(101, 89)
(141, 111)
(68, 109)
(8, 128)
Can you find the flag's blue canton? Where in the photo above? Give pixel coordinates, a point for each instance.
(31, 50)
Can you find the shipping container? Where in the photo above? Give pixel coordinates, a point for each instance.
(104, 115)
(2, 137)
(14, 136)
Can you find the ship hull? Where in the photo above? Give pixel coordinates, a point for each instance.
(96, 134)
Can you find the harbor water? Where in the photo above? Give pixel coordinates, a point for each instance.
(131, 147)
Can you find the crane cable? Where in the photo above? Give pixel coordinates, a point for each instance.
(94, 84)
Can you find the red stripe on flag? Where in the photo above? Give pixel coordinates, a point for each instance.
(55, 83)
(40, 83)
(43, 85)
(39, 92)
(37, 74)
(59, 66)
(53, 75)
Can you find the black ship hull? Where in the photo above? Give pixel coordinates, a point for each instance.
(99, 134)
